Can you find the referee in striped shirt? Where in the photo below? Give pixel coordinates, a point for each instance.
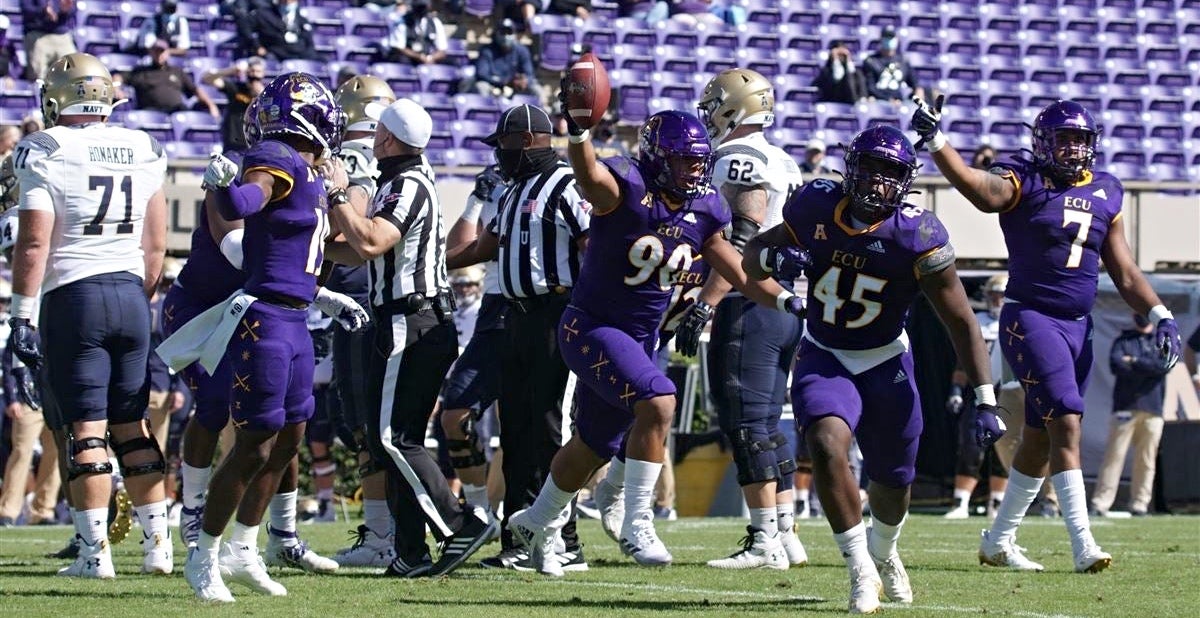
(415, 340)
(537, 237)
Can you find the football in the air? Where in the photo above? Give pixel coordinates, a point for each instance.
(587, 91)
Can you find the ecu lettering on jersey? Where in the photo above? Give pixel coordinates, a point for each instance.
(935, 261)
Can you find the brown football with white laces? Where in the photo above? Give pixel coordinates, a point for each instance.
(588, 91)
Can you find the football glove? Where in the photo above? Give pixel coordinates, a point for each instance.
(572, 128)
(219, 173)
(926, 120)
(1166, 339)
(988, 426)
(795, 306)
(687, 334)
(486, 182)
(27, 390)
(23, 341)
(785, 263)
(954, 402)
(344, 310)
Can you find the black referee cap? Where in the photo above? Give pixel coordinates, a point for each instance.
(520, 119)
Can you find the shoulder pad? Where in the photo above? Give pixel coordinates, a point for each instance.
(42, 141)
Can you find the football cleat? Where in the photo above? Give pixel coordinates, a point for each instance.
(93, 562)
(507, 559)
(248, 569)
(895, 579)
(587, 509)
(1006, 554)
(961, 511)
(641, 541)
(793, 548)
(572, 562)
(122, 522)
(665, 513)
(191, 521)
(478, 528)
(203, 575)
(158, 556)
(369, 550)
(758, 551)
(69, 552)
(402, 569)
(296, 555)
(610, 500)
(1093, 560)
(538, 541)
(865, 588)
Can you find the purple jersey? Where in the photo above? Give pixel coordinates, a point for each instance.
(283, 243)
(861, 282)
(686, 291)
(637, 252)
(1054, 238)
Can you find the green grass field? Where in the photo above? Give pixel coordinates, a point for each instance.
(1154, 574)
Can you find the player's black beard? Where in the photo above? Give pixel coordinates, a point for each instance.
(516, 164)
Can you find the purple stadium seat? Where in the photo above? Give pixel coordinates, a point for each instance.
(119, 63)
(363, 22)
(465, 131)
(479, 8)
(312, 67)
(134, 12)
(806, 18)
(1123, 27)
(355, 48)
(635, 58)
(99, 14)
(722, 39)
(326, 20)
(155, 123)
(401, 77)
(805, 43)
(765, 16)
(475, 157)
(556, 48)
(601, 40)
(605, 10)
(551, 21)
(470, 106)
(673, 86)
(678, 37)
(438, 78)
(1083, 51)
(850, 19)
(191, 126)
(199, 152)
(96, 41)
(634, 101)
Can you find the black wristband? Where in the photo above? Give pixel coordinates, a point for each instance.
(337, 197)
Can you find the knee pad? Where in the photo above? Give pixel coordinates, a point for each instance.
(755, 459)
(142, 443)
(323, 466)
(783, 455)
(74, 447)
(474, 457)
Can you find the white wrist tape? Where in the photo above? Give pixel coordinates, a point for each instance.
(472, 210)
(764, 262)
(1157, 314)
(586, 136)
(781, 301)
(23, 306)
(937, 142)
(985, 394)
(231, 247)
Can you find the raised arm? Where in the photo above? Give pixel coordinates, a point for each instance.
(986, 190)
(595, 180)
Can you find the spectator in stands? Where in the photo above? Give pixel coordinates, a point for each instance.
(166, 25)
(242, 14)
(8, 52)
(649, 12)
(9, 136)
(839, 80)
(571, 8)
(814, 159)
(1137, 416)
(886, 71)
(378, 5)
(241, 83)
(520, 12)
(162, 87)
(48, 37)
(283, 33)
(504, 66)
(984, 157)
(416, 35)
(694, 12)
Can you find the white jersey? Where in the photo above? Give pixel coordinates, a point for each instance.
(359, 157)
(751, 161)
(97, 180)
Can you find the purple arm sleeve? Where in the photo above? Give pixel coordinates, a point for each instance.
(238, 202)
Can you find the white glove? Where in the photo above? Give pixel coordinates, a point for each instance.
(349, 314)
(219, 173)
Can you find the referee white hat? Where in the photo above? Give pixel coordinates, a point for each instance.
(408, 121)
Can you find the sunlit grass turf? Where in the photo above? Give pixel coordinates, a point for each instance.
(1154, 573)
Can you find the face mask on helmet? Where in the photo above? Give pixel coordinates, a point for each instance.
(1065, 153)
(876, 186)
(676, 155)
(299, 104)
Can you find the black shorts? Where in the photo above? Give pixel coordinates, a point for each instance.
(351, 357)
(474, 382)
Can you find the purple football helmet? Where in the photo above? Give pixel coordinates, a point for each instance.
(302, 105)
(676, 155)
(881, 165)
(1064, 141)
(250, 127)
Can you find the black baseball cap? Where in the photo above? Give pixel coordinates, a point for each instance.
(520, 119)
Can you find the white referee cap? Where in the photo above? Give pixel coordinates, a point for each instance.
(408, 121)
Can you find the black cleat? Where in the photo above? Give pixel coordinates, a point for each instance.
(478, 528)
(400, 568)
(70, 552)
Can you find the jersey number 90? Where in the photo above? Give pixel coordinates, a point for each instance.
(646, 255)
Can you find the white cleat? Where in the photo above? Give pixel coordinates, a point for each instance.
(641, 541)
(793, 548)
(958, 512)
(1093, 560)
(1007, 555)
(202, 574)
(369, 550)
(190, 523)
(610, 500)
(248, 570)
(895, 579)
(158, 555)
(759, 551)
(865, 588)
(297, 556)
(538, 541)
(93, 562)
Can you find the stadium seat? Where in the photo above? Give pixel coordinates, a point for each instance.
(438, 78)
(155, 123)
(401, 77)
(556, 48)
(189, 126)
(470, 131)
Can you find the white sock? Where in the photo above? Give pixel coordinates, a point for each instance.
(616, 473)
(195, 485)
(153, 518)
(997, 496)
(550, 502)
(1073, 504)
(244, 538)
(476, 495)
(283, 511)
(209, 544)
(853, 544)
(92, 524)
(962, 498)
(325, 494)
(786, 513)
(1017, 498)
(765, 520)
(640, 479)
(74, 520)
(881, 542)
(378, 517)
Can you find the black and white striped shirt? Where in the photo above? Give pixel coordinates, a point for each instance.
(417, 263)
(539, 221)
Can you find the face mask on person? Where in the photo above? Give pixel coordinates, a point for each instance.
(507, 41)
(518, 163)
